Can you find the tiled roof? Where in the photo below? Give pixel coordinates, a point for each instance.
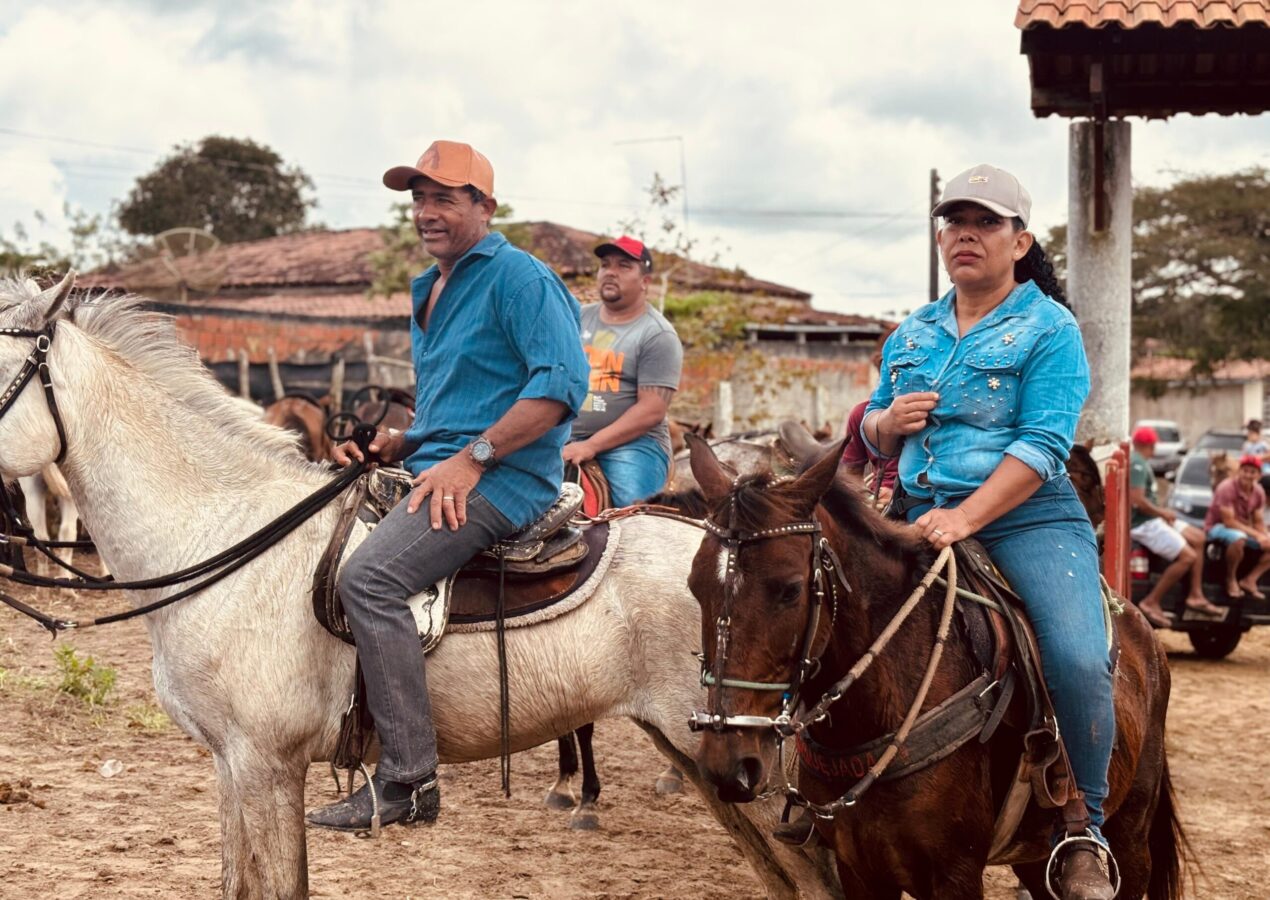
(1172, 368)
(1133, 13)
(301, 304)
(318, 259)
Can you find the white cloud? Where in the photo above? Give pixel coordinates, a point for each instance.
(818, 105)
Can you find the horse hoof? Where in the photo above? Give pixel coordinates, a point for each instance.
(559, 800)
(667, 785)
(587, 820)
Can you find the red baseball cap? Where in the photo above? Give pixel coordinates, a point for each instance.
(1249, 459)
(627, 246)
(1145, 435)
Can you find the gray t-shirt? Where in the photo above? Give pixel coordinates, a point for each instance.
(624, 358)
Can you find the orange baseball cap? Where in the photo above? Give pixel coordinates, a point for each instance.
(446, 162)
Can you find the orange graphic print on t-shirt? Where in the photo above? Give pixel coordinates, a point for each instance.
(606, 364)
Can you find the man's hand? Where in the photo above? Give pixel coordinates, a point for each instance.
(942, 527)
(387, 445)
(1168, 515)
(448, 482)
(578, 452)
(907, 413)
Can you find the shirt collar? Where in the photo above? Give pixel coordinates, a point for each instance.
(421, 284)
(1016, 303)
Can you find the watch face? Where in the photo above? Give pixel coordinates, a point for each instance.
(482, 451)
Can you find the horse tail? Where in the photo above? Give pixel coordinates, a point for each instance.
(1170, 850)
(56, 481)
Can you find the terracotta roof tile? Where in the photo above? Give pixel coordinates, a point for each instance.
(353, 305)
(1134, 13)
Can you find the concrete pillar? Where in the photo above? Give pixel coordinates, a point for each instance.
(722, 409)
(1098, 271)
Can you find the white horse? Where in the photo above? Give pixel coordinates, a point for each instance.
(168, 470)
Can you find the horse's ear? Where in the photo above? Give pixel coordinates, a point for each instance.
(812, 484)
(714, 479)
(44, 306)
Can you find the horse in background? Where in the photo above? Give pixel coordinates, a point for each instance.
(1221, 466)
(36, 490)
(306, 416)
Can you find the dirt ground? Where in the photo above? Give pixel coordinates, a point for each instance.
(72, 826)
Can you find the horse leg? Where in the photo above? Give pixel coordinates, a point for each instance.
(263, 851)
(1031, 881)
(585, 817)
(786, 873)
(670, 782)
(858, 887)
(67, 527)
(561, 794)
(36, 515)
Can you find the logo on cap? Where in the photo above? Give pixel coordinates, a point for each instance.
(978, 179)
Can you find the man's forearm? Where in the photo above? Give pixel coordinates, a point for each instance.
(524, 423)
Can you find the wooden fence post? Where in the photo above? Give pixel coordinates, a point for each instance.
(722, 422)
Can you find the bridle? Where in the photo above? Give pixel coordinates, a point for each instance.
(826, 574)
(36, 364)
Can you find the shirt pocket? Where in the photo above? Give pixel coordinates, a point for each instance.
(909, 372)
(991, 385)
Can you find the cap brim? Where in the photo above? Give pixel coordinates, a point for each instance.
(944, 205)
(398, 178)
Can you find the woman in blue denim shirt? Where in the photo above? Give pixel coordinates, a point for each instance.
(980, 394)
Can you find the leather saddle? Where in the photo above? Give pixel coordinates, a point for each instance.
(538, 566)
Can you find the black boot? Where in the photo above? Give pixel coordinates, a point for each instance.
(798, 832)
(380, 803)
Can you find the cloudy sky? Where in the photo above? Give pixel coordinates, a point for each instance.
(808, 129)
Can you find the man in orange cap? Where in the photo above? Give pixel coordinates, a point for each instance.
(499, 373)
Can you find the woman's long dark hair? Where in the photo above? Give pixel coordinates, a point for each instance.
(1036, 266)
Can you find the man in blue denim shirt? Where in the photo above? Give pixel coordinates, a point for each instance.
(980, 395)
(500, 372)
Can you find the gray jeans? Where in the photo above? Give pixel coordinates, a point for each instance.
(403, 556)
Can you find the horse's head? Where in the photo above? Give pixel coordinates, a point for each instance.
(760, 583)
(29, 439)
(1220, 467)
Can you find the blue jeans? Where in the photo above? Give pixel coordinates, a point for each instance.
(401, 557)
(635, 470)
(1046, 548)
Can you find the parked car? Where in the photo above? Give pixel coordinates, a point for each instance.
(1169, 448)
(1192, 491)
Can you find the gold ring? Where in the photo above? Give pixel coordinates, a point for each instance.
(443, 499)
(938, 532)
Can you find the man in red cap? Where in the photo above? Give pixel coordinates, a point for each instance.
(499, 373)
(636, 358)
(1236, 518)
(1158, 529)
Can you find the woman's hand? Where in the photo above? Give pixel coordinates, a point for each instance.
(908, 413)
(941, 527)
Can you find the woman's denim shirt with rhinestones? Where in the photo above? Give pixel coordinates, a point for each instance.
(1013, 384)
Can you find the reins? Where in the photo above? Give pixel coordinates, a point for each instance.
(215, 567)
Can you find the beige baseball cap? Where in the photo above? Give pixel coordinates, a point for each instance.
(990, 187)
(446, 162)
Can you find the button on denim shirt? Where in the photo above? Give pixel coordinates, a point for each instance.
(1014, 385)
(505, 328)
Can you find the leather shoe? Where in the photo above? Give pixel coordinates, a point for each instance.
(369, 810)
(796, 833)
(1084, 873)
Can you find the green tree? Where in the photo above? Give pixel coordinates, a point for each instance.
(235, 188)
(1201, 267)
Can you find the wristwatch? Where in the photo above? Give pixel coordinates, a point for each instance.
(482, 452)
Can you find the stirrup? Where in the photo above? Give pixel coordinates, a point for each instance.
(1052, 868)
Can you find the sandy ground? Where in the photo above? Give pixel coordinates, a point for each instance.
(67, 830)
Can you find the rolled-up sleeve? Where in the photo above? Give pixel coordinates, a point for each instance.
(1054, 386)
(541, 319)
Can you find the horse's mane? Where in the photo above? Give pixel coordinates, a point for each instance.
(689, 502)
(149, 342)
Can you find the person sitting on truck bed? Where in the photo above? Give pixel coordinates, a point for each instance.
(1236, 519)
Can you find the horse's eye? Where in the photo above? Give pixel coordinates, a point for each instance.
(790, 592)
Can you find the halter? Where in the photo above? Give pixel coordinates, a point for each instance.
(36, 362)
(825, 569)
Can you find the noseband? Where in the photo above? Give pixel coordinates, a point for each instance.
(825, 570)
(36, 363)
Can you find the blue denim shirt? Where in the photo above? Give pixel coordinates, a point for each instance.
(504, 329)
(1013, 384)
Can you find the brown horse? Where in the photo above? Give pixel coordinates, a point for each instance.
(306, 416)
(928, 832)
